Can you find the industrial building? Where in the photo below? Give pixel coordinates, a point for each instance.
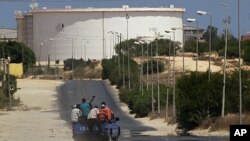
(90, 33)
(8, 34)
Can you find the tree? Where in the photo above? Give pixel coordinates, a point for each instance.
(18, 53)
(197, 99)
(135, 50)
(214, 33)
(232, 44)
(246, 51)
(214, 37)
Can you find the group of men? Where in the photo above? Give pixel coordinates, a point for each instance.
(91, 115)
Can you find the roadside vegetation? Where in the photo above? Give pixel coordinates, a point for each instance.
(198, 101)
(17, 53)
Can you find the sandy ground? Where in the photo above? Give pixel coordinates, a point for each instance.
(37, 118)
(190, 64)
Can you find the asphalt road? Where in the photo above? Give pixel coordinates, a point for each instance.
(74, 90)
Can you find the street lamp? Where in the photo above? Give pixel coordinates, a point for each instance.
(54, 47)
(111, 41)
(113, 47)
(72, 57)
(199, 12)
(52, 44)
(183, 63)
(117, 53)
(127, 17)
(174, 112)
(240, 85)
(225, 61)
(168, 83)
(147, 63)
(41, 44)
(152, 82)
(3, 49)
(158, 85)
(141, 76)
(9, 94)
(119, 35)
(85, 50)
(197, 40)
(81, 47)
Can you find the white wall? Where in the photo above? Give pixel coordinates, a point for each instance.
(86, 29)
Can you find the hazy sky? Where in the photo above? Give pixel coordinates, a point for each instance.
(8, 7)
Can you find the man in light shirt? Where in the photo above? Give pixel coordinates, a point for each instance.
(93, 118)
(76, 114)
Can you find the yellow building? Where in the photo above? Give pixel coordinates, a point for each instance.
(16, 69)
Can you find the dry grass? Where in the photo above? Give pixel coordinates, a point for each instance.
(224, 123)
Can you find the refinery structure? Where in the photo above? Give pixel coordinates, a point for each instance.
(90, 33)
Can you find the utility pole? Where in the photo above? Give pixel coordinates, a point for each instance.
(167, 97)
(225, 62)
(240, 85)
(152, 83)
(119, 52)
(72, 61)
(158, 85)
(147, 66)
(3, 62)
(129, 85)
(9, 94)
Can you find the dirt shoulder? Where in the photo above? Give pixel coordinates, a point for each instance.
(37, 118)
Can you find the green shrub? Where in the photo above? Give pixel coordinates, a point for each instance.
(3, 99)
(68, 63)
(153, 63)
(197, 99)
(142, 105)
(246, 53)
(13, 86)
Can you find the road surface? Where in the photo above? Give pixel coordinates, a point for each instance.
(74, 90)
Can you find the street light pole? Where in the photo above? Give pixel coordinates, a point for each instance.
(240, 86)
(111, 43)
(152, 82)
(52, 44)
(9, 94)
(142, 52)
(72, 57)
(123, 69)
(119, 52)
(168, 73)
(54, 47)
(81, 47)
(141, 74)
(147, 66)
(183, 63)
(199, 12)
(158, 86)
(4, 62)
(174, 111)
(197, 40)
(85, 50)
(129, 85)
(225, 61)
(41, 44)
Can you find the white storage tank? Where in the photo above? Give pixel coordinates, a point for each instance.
(86, 33)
